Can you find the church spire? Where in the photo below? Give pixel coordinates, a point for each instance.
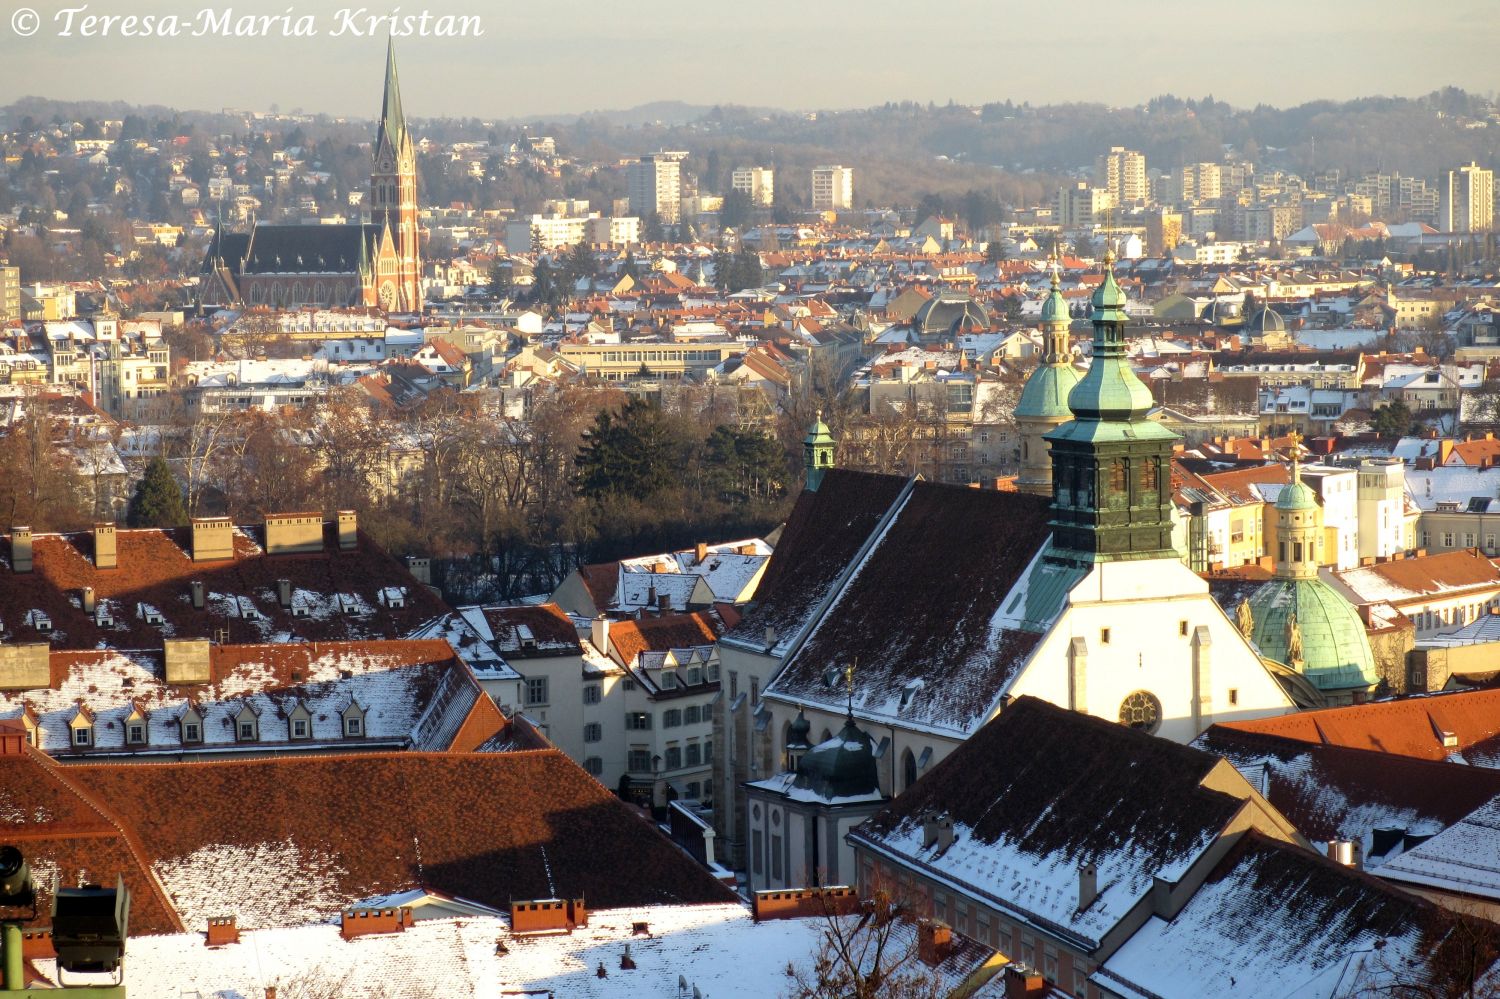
(1111, 465)
(392, 118)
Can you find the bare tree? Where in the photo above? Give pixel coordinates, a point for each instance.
(868, 954)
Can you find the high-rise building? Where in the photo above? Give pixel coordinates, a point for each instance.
(757, 183)
(1469, 200)
(1082, 206)
(1163, 232)
(10, 294)
(832, 188)
(1122, 172)
(655, 186)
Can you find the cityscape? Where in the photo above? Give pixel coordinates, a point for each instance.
(878, 548)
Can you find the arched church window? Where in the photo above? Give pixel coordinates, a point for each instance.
(1141, 710)
(1025, 451)
(1119, 472)
(908, 770)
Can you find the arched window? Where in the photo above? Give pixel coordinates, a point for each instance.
(908, 770)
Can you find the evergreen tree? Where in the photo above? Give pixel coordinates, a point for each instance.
(157, 501)
(636, 452)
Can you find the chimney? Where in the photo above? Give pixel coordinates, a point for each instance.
(663, 603)
(770, 635)
(420, 569)
(196, 588)
(934, 941)
(1343, 852)
(105, 553)
(88, 600)
(213, 538)
(1023, 983)
(700, 552)
(1088, 885)
(348, 530)
(284, 592)
(222, 930)
(599, 634)
(20, 549)
(651, 593)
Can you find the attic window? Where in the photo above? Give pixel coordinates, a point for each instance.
(153, 616)
(299, 728)
(300, 610)
(1449, 739)
(909, 692)
(191, 732)
(41, 622)
(1103, 636)
(135, 734)
(83, 736)
(102, 617)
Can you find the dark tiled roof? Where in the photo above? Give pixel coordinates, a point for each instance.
(823, 534)
(552, 631)
(919, 609)
(1053, 781)
(1330, 792)
(155, 568)
(491, 827)
(280, 249)
(1271, 918)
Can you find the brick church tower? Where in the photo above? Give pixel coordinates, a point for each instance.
(393, 198)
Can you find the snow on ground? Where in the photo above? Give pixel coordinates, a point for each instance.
(717, 948)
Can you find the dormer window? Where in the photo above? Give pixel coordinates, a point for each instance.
(299, 722)
(135, 734)
(41, 622)
(83, 735)
(353, 720)
(192, 731)
(353, 726)
(299, 728)
(246, 725)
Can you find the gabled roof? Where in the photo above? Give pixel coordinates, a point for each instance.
(342, 591)
(60, 827)
(1424, 576)
(314, 833)
(1041, 790)
(1408, 727)
(1277, 920)
(529, 632)
(823, 533)
(1333, 792)
(917, 619)
(628, 639)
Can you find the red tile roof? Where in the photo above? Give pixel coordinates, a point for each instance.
(61, 827)
(551, 630)
(1409, 727)
(156, 566)
(628, 639)
(487, 827)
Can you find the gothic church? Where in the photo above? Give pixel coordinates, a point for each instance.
(376, 263)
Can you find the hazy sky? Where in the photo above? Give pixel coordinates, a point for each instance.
(544, 56)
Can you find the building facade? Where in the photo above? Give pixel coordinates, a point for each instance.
(755, 182)
(1469, 200)
(832, 188)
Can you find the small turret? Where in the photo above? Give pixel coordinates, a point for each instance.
(817, 452)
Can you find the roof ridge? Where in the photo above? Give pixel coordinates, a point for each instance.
(127, 835)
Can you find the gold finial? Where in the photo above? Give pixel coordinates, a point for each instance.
(1056, 281)
(1296, 440)
(1109, 256)
(849, 686)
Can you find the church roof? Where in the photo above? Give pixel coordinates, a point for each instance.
(1336, 651)
(1265, 320)
(842, 767)
(919, 614)
(326, 249)
(1046, 391)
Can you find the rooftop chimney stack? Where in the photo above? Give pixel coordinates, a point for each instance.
(701, 552)
(196, 588)
(934, 941)
(213, 539)
(348, 530)
(1088, 885)
(105, 551)
(284, 592)
(88, 600)
(20, 549)
(599, 634)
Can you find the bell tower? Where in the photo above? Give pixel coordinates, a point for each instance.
(1043, 406)
(1111, 464)
(393, 196)
(817, 452)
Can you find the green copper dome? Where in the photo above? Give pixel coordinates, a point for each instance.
(1297, 496)
(1055, 308)
(844, 766)
(1336, 651)
(1046, 391)
(818, 434)
(1110, 390)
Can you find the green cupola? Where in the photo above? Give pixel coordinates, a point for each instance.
(1111, 464)
(1301, 621)
(817, 452)
(1043, 405)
